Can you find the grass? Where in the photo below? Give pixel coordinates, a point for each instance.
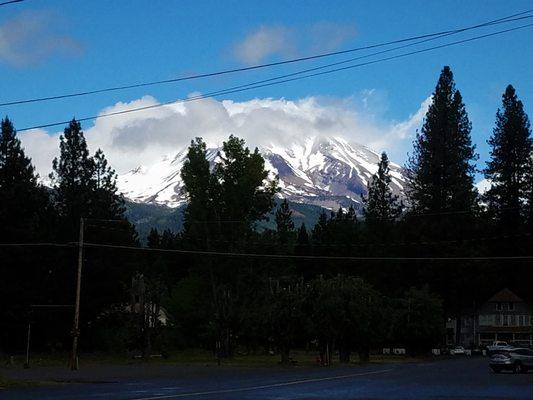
(196, 357)
(6, 383)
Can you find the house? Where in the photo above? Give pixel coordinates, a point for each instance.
(504, 316)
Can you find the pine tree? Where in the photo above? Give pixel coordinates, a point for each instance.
(302, 248)
(244, 196)
(284, 223)
(381, 205)
(303, 236)
(73, 179)
(154, 239)
(320, 233)
(529, 211)
(24, 201)
(509, 169)
(109, 204)
(223, 207)
(25, 216)
(85, 186)
(440, 171)
(199, 185)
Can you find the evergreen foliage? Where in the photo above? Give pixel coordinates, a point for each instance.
(440, 171)
(284, 223)
(72, 178)
(509, 168)
(225, 302)
(381, 205)
(25, 210)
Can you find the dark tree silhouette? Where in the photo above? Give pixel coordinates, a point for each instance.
(509, 168)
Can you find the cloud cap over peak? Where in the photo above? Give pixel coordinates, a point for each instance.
(145, 137)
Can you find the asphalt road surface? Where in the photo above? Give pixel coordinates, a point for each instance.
(447, 379)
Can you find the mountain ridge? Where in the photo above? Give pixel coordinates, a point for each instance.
(324, 171)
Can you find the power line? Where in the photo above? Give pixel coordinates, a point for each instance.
(367, 245)
(5, 3)
(276, 81)
(304, 257)
(44, 244)
(272, 256)
(506, 19)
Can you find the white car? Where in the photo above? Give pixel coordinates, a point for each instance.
(498, 346)
(458, 351)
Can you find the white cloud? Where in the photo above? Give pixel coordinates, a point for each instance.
(267, 41)
(32, 36)
(406, 129)
(42, 148)
(145, 137)
(264, 42)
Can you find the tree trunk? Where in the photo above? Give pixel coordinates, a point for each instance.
(344, 354)
(364, 354)
(285, 359)
(226, 350)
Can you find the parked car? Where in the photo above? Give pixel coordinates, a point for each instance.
(517, 360)
(458, 351)
(497, 346)
(476, 351)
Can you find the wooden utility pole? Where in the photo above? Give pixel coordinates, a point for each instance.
(27, 363)
(76, 330)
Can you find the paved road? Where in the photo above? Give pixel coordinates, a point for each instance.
(449, 379)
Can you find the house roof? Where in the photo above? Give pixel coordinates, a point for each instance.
(505, 295)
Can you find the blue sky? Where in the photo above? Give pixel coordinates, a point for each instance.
(52, 47)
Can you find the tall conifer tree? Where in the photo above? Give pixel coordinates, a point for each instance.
(25, 216)
(24, 201)
(109, 204)
(72, 177)
(509, 169)
(381, 205)
(441, 168)
(284, 223)
(199, 186)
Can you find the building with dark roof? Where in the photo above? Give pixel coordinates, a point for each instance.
(504, 316)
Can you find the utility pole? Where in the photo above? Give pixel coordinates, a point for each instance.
(27, 363)
(75, 330)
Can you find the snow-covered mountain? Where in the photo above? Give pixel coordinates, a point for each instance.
(324, 171)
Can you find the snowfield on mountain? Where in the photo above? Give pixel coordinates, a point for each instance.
(324, 171)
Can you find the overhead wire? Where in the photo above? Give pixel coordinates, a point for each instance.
(5, 3)
(275, 80)
(307, 257)
(506, 19)
(273, 256)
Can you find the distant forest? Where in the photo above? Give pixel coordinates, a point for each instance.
(349, 283)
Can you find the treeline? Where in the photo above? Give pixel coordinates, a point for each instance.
(351, 283)
(38, 282)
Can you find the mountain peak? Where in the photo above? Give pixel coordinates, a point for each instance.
(323, 170)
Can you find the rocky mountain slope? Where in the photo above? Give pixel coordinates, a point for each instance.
(323, 171)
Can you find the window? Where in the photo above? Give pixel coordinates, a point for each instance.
(505, 320)
(511, 306)
(524, 352)
(512, 320)
(521, 319)
(499, 306)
